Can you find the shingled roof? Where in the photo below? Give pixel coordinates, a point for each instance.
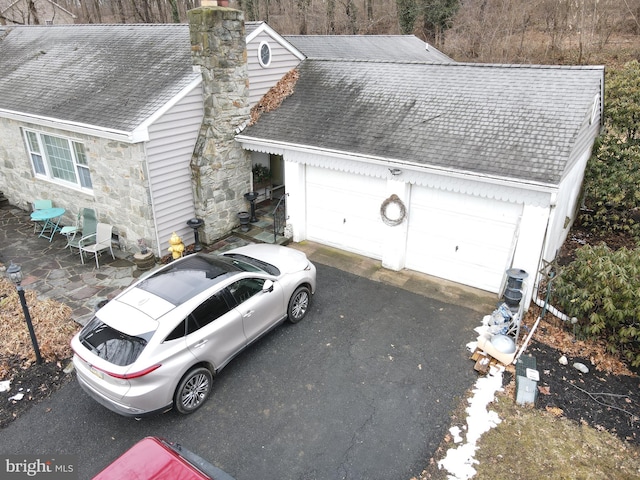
(110, 76)
(518, 122)
(399, 48)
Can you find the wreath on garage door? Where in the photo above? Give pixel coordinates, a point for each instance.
(393, 211)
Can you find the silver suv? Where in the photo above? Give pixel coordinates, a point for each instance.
(159, 343)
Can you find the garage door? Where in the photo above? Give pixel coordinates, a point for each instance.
(343, 210)
(461, 238)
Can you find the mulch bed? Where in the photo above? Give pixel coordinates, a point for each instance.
(607, 397)
(600, 399)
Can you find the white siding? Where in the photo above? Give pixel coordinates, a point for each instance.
(169, 151)
(263, 78)
(565, 212)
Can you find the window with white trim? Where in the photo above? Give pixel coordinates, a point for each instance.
(264, 54)
(59, 159)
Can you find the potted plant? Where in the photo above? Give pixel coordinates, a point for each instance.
(144, 260)
(261, 176)
(143, 246)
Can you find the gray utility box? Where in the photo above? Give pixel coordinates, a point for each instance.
(527, 377)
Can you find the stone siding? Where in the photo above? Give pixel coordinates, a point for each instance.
(221, 169)
(118, 173)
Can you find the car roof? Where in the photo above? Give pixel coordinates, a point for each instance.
(185, 278)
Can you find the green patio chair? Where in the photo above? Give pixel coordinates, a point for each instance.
(87, 228)
(40, 205)
(70, 231)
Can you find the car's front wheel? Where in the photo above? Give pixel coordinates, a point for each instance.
(193, 390)
(298, 304)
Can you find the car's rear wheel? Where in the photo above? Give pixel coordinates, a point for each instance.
(193, 390)
(298, 304)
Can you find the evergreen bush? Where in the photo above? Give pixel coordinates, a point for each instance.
(601, 288)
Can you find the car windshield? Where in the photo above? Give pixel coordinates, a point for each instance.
(250, 264)
(112, 345)
(188, 277)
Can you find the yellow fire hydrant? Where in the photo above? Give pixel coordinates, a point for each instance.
(177, 247)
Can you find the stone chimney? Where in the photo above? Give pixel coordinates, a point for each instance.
(220, 168)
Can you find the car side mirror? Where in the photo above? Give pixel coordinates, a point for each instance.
(268, 286)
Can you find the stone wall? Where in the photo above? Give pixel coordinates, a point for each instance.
(120, 196)
(221, 169)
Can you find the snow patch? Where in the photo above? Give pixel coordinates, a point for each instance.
(459, 461)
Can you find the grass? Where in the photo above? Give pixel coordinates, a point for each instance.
(530, 444)
(533, 444)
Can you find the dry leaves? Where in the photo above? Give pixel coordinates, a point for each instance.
(52, 324)
(544, 390)
(555, 411)
(274, 97)
(552, 332)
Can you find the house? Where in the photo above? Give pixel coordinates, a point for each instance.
(457, 170)
(119, 108)
(34, 12)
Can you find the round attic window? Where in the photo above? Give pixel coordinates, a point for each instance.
(264, 54)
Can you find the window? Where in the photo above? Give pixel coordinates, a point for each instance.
(264, 54)
(207, 312)
(177, 332)
(246, 288)
(59, 159)
(194, 274)
(114, 346)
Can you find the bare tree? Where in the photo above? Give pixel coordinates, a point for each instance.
(331, 12)
(352, 14)
(533, 31)
(175, 13)
(96, 9)
(161, 8)
(86, 17)
(33, 13)
(121, 11)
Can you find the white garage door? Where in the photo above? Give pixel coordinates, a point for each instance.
(461, 238)
(343, 210)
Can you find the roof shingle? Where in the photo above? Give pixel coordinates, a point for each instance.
(399, 48)
(516, 122)
(110, 76)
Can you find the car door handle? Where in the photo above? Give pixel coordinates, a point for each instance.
(248, 314)
(200, 344)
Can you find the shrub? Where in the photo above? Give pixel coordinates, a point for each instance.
(611, 197)
(623, 101)
(601, 288)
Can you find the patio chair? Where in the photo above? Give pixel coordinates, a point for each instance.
(97, 243)
(70, 231)
(86, 227)
(40, 205)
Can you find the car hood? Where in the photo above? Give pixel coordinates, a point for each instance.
(287, 260)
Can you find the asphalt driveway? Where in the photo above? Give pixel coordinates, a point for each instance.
(362, 388)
